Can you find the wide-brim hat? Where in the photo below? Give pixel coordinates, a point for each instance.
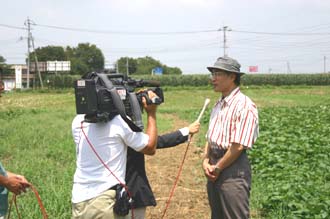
(226, 64)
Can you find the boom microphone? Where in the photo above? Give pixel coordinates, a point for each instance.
(150, 83)
(143, 83)
(206, 103)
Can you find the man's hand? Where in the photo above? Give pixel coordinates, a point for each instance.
(151, 130)
(209, 170)
(16, 183)
(151, 108)
(194, 127)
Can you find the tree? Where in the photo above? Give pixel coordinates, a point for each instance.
(147, 64)
(85, 58)
(3, 67)
(144, 65)
(173, 71)
(2, 60)
(49, 53)
(122, 65)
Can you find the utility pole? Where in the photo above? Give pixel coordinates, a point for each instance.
(288, 67)
(127, 73)
(37, 63)
(224, 29)
(325, 65)
(28, 23)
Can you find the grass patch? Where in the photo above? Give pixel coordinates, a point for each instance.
(290, 159)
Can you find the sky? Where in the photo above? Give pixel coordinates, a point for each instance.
(277, 36)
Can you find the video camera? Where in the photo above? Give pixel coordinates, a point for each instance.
(102, 96)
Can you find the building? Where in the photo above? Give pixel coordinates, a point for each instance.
(16, 77)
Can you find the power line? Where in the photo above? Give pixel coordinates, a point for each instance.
(13, 27)
(260, 43)
(280, 33)
(165, 33)
(124, 32)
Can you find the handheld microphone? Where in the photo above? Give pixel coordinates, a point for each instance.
(206, 103)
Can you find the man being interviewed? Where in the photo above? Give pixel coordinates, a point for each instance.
(233, 128)
(101, 148)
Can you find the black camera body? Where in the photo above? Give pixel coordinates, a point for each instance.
(102, 96)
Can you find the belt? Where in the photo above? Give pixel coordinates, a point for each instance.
(216, 153)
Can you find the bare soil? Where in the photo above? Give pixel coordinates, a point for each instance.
(190, 198)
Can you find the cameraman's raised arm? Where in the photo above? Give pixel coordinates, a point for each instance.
(151, 131)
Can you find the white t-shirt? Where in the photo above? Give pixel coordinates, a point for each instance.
(110, 141)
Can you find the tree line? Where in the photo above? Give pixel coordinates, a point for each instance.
(88, 58)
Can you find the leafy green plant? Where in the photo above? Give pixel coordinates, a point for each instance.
(291, 159)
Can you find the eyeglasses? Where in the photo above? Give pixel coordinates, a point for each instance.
(217, 74)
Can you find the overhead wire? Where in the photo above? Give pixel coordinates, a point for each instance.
(285, 46)
(282, 33)
(124, 32)
(12, 27)
(261, 43)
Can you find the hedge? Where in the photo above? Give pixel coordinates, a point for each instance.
(66, 81)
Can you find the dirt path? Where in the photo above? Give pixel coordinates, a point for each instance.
(190, 198)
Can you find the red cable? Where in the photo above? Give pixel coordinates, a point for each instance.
(106, 166)
(42, 208)
(13, 200)
(177, 178)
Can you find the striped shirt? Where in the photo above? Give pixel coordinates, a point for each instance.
(234, 119)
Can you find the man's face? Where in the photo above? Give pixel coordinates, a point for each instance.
(222, 81)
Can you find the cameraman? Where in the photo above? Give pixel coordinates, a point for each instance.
(136, 177)
(93, 193)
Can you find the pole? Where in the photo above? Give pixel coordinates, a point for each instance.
(224, 29)
(325, 66)
(27, 23)
(36, 59)
(224, 41)
(288, 67)
(127, 66)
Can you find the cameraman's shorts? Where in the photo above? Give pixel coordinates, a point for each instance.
(100, 207)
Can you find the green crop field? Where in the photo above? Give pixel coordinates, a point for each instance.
(291, 159)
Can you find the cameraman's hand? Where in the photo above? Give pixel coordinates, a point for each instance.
(151, 108)
(151, 130)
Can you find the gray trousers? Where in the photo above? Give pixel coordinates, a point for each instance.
(229, 194)
(139, 213)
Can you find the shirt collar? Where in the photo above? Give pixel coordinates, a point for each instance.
(228, 99)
